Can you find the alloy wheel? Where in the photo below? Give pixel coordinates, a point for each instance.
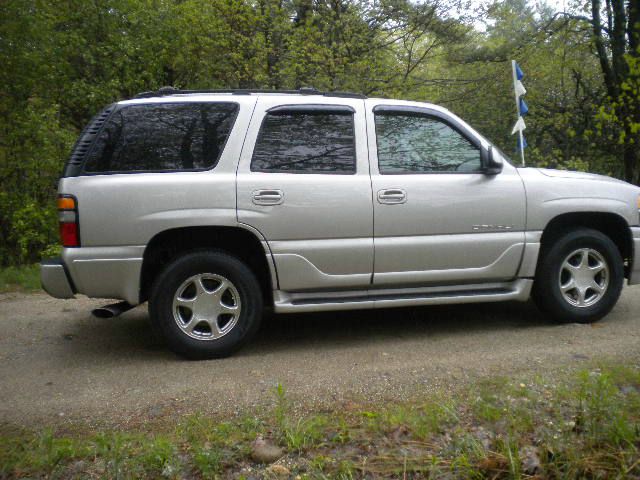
(206, 306)
(584, 277)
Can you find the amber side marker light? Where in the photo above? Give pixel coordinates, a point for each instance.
(68, 218)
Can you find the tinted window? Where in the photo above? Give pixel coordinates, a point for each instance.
(170, 136)
(305, 142)
(409, 143)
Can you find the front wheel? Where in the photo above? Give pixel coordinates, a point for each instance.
(206, 304)
(579, 278)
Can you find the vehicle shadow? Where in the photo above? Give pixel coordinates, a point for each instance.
(131, 335)
(351, 328)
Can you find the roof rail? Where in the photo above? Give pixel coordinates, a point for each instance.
(164, 91)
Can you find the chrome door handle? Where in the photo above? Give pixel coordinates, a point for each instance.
(392, 196)
(267, 197)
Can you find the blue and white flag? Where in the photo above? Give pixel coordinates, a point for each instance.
(519, 126)
(524, 108)
(521, 107)
(523, 144)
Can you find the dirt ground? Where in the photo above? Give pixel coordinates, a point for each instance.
(59, 364)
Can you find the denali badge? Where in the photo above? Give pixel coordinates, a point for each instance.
(492, 227)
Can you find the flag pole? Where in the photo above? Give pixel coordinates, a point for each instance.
(521, 146)
(520, 136)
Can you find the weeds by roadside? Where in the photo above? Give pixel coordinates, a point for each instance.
(26, 278)
(588, 427)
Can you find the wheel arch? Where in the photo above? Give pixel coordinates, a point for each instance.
(610, 224)
(244, 243)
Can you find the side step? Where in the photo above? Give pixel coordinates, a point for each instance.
(288, 302)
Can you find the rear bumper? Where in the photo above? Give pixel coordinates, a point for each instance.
(97, 272)
(55, 280)
(106, 272)
(634, 267)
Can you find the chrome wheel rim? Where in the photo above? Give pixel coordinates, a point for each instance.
(584, 277)
(206, 306)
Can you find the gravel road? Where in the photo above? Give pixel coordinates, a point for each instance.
(58, 364)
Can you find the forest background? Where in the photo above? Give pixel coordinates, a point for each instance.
(61, 62)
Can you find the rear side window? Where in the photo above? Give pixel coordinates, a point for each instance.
(159, 137)
(306, 141)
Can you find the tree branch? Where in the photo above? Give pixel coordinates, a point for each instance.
(609, 78)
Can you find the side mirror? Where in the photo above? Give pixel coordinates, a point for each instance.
(490, 164)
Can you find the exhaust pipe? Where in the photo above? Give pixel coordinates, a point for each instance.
(111, 310)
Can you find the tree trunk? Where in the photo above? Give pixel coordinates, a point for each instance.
(603, 56)
(631, 155)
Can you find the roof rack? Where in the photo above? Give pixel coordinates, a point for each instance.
(164, 91)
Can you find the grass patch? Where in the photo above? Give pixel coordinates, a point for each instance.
(22, 278)
(587, 427)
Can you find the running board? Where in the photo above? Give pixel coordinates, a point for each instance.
(289, 302)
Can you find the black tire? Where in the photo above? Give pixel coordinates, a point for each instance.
(173, 277)
(547, 285)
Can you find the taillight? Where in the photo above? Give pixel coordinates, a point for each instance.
(68, 218)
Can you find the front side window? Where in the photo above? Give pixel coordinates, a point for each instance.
(415, 143)
(168, 136)
(312, 141)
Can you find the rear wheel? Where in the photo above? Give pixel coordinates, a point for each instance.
(206, 304)
(580, 277)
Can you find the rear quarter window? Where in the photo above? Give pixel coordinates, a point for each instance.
(162, 137)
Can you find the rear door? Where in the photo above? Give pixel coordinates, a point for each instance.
(303, 182)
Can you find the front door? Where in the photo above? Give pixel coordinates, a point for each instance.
(303, 182)
(438, 219)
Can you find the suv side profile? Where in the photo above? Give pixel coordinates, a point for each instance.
(214, 205)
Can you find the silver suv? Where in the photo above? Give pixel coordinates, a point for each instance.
(214, 205)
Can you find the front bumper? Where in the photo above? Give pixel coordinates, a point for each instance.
(634, 267)
(55, 279)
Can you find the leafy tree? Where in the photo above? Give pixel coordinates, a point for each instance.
(616, 35)
(615, 38)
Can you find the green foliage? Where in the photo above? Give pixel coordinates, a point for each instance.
(48, 452)
(432, 418)
(599, 414)
(297, 434)
(26, 277)
(586, 427)
(207, 460)
(160, 456)
(34, 141)
(618, 119)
